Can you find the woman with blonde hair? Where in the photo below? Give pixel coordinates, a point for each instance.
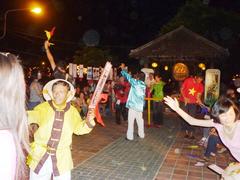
(13, 119)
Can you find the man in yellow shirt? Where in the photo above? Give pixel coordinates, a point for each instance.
(57, 120)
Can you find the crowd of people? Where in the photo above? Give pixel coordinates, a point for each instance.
(49, 154)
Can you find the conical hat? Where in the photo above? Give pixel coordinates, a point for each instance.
(238, 90)
(47, 90)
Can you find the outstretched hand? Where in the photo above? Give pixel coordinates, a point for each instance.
(47, 44)
(172, 103)
(122, 66)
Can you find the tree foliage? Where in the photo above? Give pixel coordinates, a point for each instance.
(215, 24)
(92, 56)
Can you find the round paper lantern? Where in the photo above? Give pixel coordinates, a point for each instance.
(180, 71)
(154, 64)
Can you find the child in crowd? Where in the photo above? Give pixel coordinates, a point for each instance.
(58, 121)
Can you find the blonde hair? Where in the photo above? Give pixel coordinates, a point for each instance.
(12, 107)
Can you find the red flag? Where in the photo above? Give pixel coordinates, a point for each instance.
(49, 34)
(103, 99)
(52, 31)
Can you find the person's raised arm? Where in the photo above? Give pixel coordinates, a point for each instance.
(174, 105)
(127, 76)
(49, 55)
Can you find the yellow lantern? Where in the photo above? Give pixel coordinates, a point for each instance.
(154, 64)
(165, 68)
(201, 65)
(180, 71)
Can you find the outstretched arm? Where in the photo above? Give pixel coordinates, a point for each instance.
(49, 55)
(174, 105)
(127, 76)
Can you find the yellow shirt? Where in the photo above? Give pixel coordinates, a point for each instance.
(43, 115)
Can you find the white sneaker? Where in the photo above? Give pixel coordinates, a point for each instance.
(199, 164)
(202, 141)
(212, 154)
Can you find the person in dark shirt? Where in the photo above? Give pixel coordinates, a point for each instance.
(59, 69)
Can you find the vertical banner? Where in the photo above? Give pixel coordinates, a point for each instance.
(95, 73)
(74, 70)
(70, 69)
(114, 73)
(111, 74)
(212, 86)
(80, 72)
(100, 70)
(89, 73)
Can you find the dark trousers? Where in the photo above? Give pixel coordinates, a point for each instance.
(157, 112)
(191, 109)
(212, 145)
(121, 110)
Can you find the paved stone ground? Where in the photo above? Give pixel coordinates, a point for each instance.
(105, 154)
(138, 159)
(182, 166)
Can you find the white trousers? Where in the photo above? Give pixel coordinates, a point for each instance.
(46, 172)
(132, 115)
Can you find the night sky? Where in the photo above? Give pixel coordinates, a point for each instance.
(118, 25)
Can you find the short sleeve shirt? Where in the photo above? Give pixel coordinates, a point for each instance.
(190, 89)
(234, 143)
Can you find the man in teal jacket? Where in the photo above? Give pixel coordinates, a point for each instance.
(135, 103)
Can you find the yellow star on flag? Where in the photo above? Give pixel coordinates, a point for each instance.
(192, 91)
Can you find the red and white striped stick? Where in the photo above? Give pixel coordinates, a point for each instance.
(101, 82)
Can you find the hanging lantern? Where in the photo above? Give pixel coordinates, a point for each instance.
(201, 65)
(154, 64)
(165, 68)
(180, 71)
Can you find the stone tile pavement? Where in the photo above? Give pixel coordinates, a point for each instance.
(182, 166)
(138, 159)
(105, 154)
(88, 145)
